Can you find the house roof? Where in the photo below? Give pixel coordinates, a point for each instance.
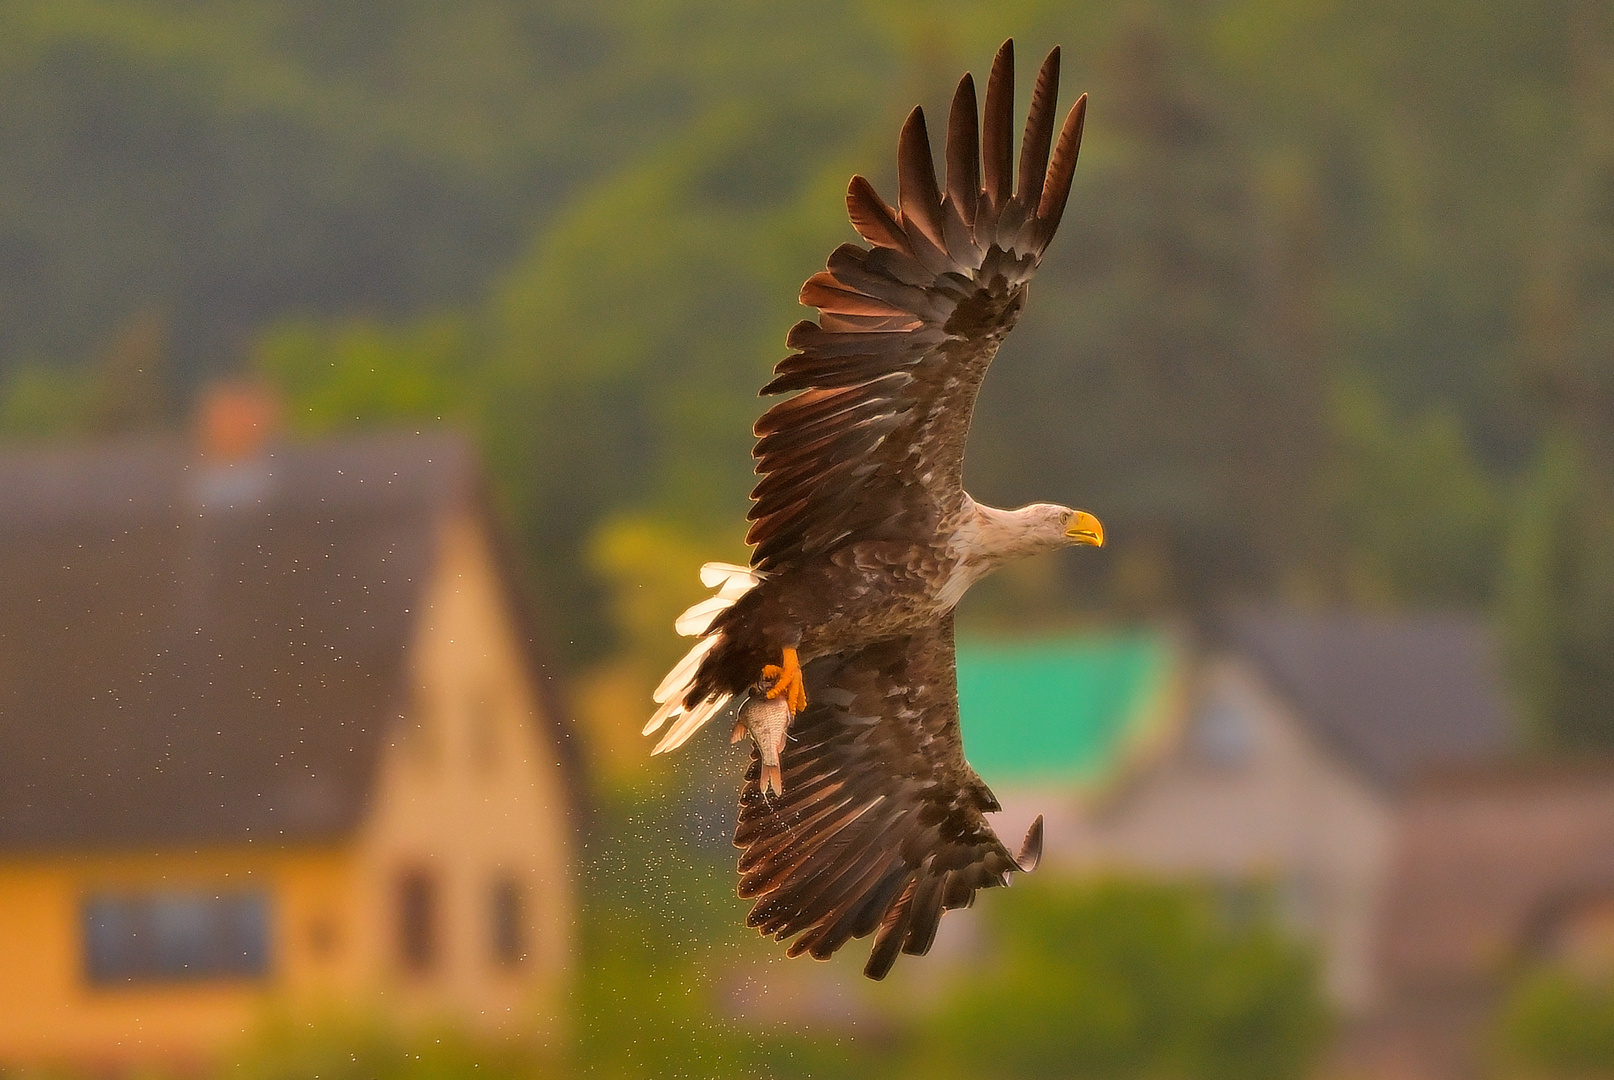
(194, 652)
(1058, 707)
(1394, 694)
(1486, 860)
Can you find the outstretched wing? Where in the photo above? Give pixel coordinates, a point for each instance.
(873, 445)
(880, 827)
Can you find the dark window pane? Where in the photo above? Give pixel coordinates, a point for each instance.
(175, 936)
(417, 921)
(509, 923)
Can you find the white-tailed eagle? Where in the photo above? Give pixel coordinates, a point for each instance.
(864, 541)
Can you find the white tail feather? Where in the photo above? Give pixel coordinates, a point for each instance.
(690, 723)
(736, 587)
(714, 574)
(671, 707)
(731, 581)
(683, 673)
(698, 619)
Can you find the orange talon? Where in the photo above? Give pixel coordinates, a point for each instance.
(790, 682)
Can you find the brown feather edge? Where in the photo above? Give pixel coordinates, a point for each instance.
(997, 126)
(1039, 133)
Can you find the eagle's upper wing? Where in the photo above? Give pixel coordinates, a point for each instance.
(874, 442)
(880, 826)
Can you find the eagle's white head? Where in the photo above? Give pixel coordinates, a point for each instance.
(1057, 526)
(990, 537)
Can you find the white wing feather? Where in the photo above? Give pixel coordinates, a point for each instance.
(731, 581)
(698, 618)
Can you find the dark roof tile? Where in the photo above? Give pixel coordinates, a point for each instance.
(1395, 695)
(194, 653)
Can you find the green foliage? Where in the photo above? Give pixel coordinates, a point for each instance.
(652, 566)
(1118, 980)
(1144, 383)
(1556, 1025)
(124, 390)
(662, 945)
(1559, 602)
(642, 392)
(1559, 598)
(362, 373)
(41, 400)
(339, 1047)
(1568, 356)
(1413, 514)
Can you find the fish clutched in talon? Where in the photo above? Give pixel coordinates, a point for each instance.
(766, 716)
(786, 682)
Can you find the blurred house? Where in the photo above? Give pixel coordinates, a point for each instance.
(1494, 871)
(1275, 754)
(272, 737)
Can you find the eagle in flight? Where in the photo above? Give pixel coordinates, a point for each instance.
(858, 813)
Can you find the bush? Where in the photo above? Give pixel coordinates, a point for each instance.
(1116, 980)
(342, 1048)
(1557, 1025)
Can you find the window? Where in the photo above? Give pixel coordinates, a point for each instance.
(1220, 734)
(508, 924)
(175, 936)
(324, 938)
(417, 921)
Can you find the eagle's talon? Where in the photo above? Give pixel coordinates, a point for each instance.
(788, 681)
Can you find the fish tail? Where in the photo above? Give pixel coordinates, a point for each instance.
(772, 780)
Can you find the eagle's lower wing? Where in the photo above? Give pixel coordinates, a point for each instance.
(880, 827)
(873, 445)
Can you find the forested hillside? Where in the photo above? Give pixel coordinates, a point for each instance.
(1331, 318)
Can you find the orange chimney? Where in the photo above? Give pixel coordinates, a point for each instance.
(235, 418)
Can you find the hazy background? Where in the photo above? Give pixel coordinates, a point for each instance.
(1330, 319)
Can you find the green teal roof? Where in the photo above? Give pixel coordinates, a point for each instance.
(1056, 708)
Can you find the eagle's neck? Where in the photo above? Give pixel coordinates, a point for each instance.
(987, 538)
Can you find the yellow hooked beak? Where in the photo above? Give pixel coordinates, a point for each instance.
(1084, 528)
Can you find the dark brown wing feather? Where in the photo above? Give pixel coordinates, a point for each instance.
(880, 827)
(907, 327)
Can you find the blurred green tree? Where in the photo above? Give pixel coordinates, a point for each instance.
(1412, 516)
(1116, 980)
(1556, 1026)
(1559, 606)
(1157, 379)
(631, 337)
(127, 388)
(339, 1046)
(364, 373)
(1558, 603)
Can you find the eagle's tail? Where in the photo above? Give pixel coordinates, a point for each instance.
(687, 717)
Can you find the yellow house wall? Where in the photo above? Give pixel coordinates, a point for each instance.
(50, 1011)
(469, 790)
